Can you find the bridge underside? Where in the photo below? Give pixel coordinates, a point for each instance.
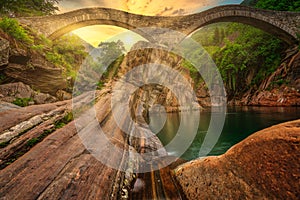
(262, 25)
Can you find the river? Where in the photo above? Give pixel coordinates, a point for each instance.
(240, 122)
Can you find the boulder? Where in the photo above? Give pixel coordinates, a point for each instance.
(63, 95)
(15, 90)
(263, 166)
(11, 91)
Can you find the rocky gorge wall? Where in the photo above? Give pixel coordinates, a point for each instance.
(20, 64)
(152, 94)
(281, 88)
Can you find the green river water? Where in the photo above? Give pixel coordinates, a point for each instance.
(240, 122)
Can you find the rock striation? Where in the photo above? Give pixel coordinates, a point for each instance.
(4, 51)
(20, 64)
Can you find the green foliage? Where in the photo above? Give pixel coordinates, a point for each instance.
(67, 53)
(100, 85)
(110, 72)
(194, 73)
(212, 35)
(38, 48)
(252, 48)
(23, 102)
(13, 28)
(239, 53)
(17, 8)
(107, 60)
(32, 142)
(4, 144)
(2, 77)
(108, 54)
(284, 5)
(64, 121)
(249, 2)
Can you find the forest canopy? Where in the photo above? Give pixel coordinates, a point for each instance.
(22, 8)
(282, 5)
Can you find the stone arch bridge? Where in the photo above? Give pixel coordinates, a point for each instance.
(284, 25)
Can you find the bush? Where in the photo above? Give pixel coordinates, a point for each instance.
(67, 53)
(13, 28)
(32, 142)
(23, 102)
(64, 121)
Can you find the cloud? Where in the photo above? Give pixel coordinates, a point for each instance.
(68, 5)
(145, 7)
(168, 7)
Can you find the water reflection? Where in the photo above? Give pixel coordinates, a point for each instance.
(240, 122)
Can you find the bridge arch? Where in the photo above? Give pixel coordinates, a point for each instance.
(283, 25)
(58, 33)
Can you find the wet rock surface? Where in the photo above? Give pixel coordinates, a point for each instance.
(263, 166)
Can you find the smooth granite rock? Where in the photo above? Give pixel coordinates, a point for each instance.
(263, 166)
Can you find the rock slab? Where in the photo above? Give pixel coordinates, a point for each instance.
(263, 166)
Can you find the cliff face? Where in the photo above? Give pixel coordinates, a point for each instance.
(151, 94)
(263, 166)
(20, 64)
(281, 88)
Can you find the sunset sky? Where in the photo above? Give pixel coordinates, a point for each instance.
(95, 34)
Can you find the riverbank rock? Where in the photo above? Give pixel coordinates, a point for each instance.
(12, 91)
(263, 166)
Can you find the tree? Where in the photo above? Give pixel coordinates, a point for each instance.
(284, 5)
(18, 8)
(110, 51)
(217, 36)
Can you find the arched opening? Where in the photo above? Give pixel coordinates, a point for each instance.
(279, 32)
(246, 56)
(95, 34)
(79, 25)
